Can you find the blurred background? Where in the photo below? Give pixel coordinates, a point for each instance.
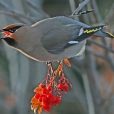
(91, 75)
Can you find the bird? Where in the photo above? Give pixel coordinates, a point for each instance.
(51, 39)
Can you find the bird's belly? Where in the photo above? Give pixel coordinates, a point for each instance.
(40, 54)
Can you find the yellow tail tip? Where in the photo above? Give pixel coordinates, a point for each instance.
(110, 35)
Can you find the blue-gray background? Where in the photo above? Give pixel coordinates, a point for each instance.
(91, 75)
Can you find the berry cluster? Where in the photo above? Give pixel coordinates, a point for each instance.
(49, 93)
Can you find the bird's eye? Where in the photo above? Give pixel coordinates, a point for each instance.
(12, 30)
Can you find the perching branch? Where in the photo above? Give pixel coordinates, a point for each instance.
(80, 7)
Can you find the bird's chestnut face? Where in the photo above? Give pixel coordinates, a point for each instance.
(9, 30)
(7, 37)
(7, 33)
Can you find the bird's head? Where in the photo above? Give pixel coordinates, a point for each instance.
(7, 33)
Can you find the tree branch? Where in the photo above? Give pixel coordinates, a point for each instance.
(101, 45)
(81, 5)
(17, 16)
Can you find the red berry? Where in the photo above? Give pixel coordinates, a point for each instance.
(45, 91)
(63, 87)
(47, 108)
(37, 96)
(49, 88)
(42, 85)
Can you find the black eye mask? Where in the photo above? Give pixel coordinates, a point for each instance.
(12, 30)
(10, 41)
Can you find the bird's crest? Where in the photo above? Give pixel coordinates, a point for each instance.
(12, 27)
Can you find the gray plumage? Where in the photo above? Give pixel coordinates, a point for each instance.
(47, 40)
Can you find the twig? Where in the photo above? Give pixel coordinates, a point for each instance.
(97, 54)
(106, 52)
(32, 5)
(95, 7)
(88, 94)
(110, 15)
(93, 76)
(72, 5)
(37, 8)
(4, 5)
(81, 5)
(17, 16)
(90, 103)
(101, 45)
(91, 69)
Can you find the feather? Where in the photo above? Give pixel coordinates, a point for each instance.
(55, 41)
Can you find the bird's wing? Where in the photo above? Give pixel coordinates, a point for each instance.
(56, 39)
(60, 38)
(60, 33)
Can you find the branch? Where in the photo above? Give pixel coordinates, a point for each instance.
(32, 5)
(72, 5)
(37, 8)
(90, 103)
(97, 54)
(80, 7)
(17, 16)
(110, 14)
(101, 45)
(96, 11)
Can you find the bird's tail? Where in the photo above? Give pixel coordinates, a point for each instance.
(89, 31)
(102, 33)
(85, 33)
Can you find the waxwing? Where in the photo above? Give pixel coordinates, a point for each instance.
(51, 39)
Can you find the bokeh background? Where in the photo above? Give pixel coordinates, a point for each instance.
(91, 75)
